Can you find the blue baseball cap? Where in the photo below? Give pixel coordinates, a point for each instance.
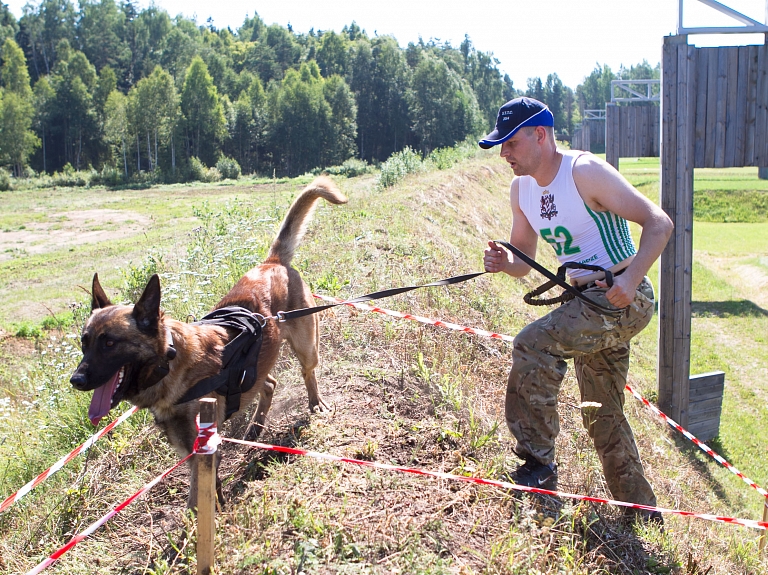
(516, 114)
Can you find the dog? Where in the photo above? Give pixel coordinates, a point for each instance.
(137, 354)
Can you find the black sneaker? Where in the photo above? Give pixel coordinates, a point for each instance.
(534, 474)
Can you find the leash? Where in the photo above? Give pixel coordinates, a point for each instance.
(286, 315)
(559, 279)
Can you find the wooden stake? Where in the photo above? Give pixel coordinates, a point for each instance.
(761, 541)
(206, 495)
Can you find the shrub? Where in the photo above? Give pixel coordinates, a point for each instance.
(398, 166)
(109, 176)
(349, 169)
(444, 158)
(5, 180)
(228, 168)
(135, 277)
(197, 170)
(71, 178)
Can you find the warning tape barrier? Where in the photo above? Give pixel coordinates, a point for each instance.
(435, 322)
(496, 483)
(207, 442)
(15, 497)
(98, 523)
(703, 446)
(503, 337)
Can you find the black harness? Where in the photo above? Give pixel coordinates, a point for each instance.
(240, 358)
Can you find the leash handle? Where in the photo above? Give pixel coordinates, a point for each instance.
(561, 280)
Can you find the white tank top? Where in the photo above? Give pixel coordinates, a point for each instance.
(578, 234)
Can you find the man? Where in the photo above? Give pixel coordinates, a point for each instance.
(580, 205)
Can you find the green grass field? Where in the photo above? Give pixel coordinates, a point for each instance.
(402, 392)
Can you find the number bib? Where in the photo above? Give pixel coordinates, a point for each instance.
(576, 233)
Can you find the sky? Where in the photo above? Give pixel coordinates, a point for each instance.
(529, 38)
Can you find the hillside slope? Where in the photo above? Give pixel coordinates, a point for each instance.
(402, 393)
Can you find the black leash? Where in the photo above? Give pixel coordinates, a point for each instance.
(286, 315)
(559, 279)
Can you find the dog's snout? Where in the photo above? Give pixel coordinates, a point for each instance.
(78, 379)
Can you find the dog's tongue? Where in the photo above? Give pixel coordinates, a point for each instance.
(101, 402)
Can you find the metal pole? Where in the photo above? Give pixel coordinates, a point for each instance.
(206, 495)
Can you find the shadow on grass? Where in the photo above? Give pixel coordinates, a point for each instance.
(733, 308)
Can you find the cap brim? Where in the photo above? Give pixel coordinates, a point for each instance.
(541, 118)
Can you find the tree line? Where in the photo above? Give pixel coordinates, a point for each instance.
(113, 88)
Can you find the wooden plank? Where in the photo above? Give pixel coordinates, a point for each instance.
(707, 389)
(697, 397)
(761, 116)
(686, 87)
(702, 421)
(709, 134)
(706, 433)
(702, 66)
(732, 79)
(206, 498)
(720, 107)
(749, 144)
(708, 379)
(683, 229)
(741, 106)
(707, 405)
(611, 129)
(668, 202)
(708, 417)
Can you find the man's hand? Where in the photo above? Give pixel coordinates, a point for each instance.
(495, 258)
(623, 291)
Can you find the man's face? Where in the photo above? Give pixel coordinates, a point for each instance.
(521, 152)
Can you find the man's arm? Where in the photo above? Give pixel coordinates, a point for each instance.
(604, 189)
(497, 259)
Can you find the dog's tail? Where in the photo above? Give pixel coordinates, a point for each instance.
(295, 222)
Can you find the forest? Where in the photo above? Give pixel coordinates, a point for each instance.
(139, 96)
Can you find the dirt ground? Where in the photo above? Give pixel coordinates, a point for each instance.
(66, 229)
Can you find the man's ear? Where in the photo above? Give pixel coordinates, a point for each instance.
(99, 299)
(146, 312)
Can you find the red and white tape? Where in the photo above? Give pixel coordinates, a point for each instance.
(207, 442)
(435, 322)
(703, 446)
(484, 333)
(495, 483)
(98, 523)
(15, 497)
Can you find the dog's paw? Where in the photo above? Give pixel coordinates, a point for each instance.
(320, 406)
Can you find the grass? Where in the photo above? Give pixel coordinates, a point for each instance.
(402, 393)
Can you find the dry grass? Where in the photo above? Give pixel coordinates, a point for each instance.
(402, 393)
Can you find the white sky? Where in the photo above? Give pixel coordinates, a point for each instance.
(529, 38)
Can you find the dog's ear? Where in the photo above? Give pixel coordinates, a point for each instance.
(146, 312)
(99, 299)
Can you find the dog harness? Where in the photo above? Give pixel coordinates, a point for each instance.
(240, 357)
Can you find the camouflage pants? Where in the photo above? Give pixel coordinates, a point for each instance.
(599, 346)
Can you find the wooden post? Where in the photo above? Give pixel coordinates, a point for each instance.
(761, 541)
(206, 495)
(678, 101)
(612, 128)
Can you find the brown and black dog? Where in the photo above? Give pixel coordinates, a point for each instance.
(135, 353)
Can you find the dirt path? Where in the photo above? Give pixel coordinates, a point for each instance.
(66, 229)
